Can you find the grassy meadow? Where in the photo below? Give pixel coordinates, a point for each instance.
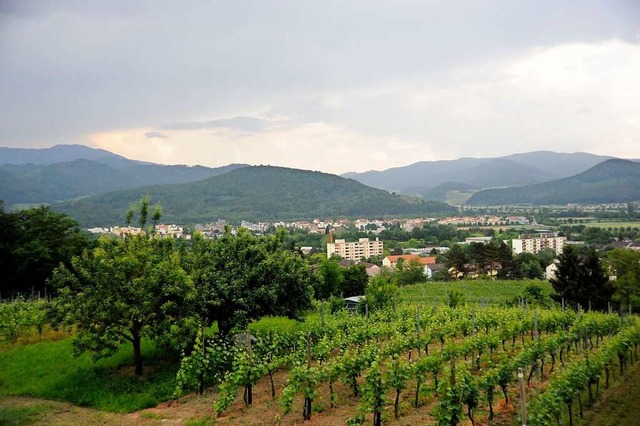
(474, 291)
(49, 370)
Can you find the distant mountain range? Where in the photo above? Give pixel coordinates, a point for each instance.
(97, 186)
(65, 172)
(254, 193)
(513, 170)
(612, 181)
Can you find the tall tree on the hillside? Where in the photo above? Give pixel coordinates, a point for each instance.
(126, 289)
(581, 279)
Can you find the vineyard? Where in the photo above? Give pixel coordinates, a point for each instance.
(447, 365)
(413, 364)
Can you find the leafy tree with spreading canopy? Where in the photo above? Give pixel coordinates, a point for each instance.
(243, 277)
(125, 289)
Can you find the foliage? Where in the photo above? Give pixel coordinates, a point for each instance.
(611, 181)
(330, 279)
(126, 289)
(581, 279)
(382, 291)
(243, 277)
(625, 265)
(32, 243)
(410, 272)
(256, 193)
(48, 370)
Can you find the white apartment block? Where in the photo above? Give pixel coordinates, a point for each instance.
(355, 250)
(534, 245)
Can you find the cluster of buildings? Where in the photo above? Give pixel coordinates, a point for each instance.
(164, 230)
(484, 220)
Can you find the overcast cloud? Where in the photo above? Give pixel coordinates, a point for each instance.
(329, 85)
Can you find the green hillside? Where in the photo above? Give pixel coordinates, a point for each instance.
(49, 183)
(254, 193)
(613, 181)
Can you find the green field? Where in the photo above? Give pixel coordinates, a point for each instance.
(611, 224)
(474, 291)
(49, 370)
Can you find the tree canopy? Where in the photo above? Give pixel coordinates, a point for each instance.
(580, 278)
(32, 243)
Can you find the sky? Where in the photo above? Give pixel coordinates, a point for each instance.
(327, 85)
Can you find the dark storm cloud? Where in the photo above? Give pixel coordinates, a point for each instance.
(72, 68)
(154, 135)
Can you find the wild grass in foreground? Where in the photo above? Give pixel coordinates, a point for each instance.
(48, 370)
(18, 416)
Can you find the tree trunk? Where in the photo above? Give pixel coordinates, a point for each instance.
(504, 392)
(306, 413)
(273, 387)
(137, 352)
(396, 405)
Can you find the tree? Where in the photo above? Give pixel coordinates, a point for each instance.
(457, 258)
(32, 243)
(546, 256)
(243, 277)
(330, 279)
(125, 289)
(625, 265)
(527, 265)
(355, 280)
(382, 291)
(581, 279)
(409, 272)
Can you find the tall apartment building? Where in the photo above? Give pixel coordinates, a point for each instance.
(355, 250)
(534, 245)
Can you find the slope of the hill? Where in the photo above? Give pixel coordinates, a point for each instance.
(62, 154)
(37, 183)
(612, 181)
(439, 193)
(516, 169)
(253, 193)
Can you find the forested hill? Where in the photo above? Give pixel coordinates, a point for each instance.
(611, 181)
(48, 183)
(253, 193)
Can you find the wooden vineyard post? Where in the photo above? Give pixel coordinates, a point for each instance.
(522, 398)
(249, 388)
(418, 328)
(306, 413)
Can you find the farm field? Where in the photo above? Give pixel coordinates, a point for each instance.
(612, 224)
(421, 362)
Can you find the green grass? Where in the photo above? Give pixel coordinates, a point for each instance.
(613, 224)
(17, 416)
(475, 291)
(48, 370)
